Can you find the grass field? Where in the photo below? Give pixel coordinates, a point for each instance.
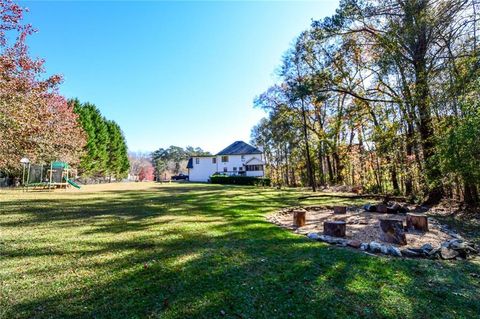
(144, 250)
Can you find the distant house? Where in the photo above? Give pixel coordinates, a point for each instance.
(239, 158)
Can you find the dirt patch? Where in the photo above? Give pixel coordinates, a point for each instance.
(361, 225)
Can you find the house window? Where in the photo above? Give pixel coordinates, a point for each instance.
(243, 157)
(240, 168)
(197, 160)
(234, 169)
(214, 160)
(224, 159)
(225, 169)
(254, 167)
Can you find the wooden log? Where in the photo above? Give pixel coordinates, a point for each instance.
(299, 218)
(382, 208)
(334, 228)
(340, 209)
(392, 231)
(394, 208)
(417, 222)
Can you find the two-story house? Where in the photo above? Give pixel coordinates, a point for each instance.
(238, 158)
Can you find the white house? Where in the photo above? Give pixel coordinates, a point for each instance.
(239, 158)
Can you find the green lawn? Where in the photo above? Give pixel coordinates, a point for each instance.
(202, 251)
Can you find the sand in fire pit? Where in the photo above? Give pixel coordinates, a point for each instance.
(361, 225)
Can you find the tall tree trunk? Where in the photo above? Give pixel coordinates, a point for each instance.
(339, 167)
(351, 163)
(419, 47)
(330, 169)
(320, 164)
(287, 179)
(470, 194)
(408, 161)
(294, 179)
(393, 176)
(433, 174)
(361, 156)
(311, 176)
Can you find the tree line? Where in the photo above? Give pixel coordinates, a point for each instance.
(382, 96)
(37, 122)
(173, 160)
(105, 153)
(141, 166)
(162, 163)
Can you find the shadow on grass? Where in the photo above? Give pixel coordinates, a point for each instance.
(205, 251)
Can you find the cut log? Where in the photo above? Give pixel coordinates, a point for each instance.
(392, 231)
(390, 210)
(382, 208)
(299, 218)
(340, 209)
(417, 222)
(393, 209)
(396, 206)
(334, 228)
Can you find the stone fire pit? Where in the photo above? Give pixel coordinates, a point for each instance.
(363, 232)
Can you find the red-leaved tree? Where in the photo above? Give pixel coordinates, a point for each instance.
(141, 167)
(146, 173)
(35, 120)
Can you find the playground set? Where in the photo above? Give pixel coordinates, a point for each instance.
(56, 175)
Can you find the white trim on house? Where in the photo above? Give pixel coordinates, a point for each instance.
(255, 161)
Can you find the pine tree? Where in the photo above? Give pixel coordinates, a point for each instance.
(87, 163)
(101, 141)
(95, 162)
(118, 164)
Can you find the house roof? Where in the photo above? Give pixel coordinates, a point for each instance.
(239, 148)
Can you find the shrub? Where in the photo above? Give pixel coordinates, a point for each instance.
(239, 180)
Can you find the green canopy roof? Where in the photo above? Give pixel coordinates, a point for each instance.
(58, 164)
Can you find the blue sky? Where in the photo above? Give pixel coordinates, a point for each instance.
(170, 73)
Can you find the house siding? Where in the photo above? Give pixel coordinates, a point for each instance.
(205, 168)
(202, 171)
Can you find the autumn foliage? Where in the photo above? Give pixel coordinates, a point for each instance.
(146, 173)
(35, 120)
(382, 96)
(141, 167)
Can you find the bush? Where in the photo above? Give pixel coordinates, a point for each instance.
(240, 180)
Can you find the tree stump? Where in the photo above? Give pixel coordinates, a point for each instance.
(299, 218)
(392, 231)
(340, 209)
(382, 208)
(417, 222)
(334, 228)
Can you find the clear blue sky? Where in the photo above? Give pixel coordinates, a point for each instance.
(170, 73)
